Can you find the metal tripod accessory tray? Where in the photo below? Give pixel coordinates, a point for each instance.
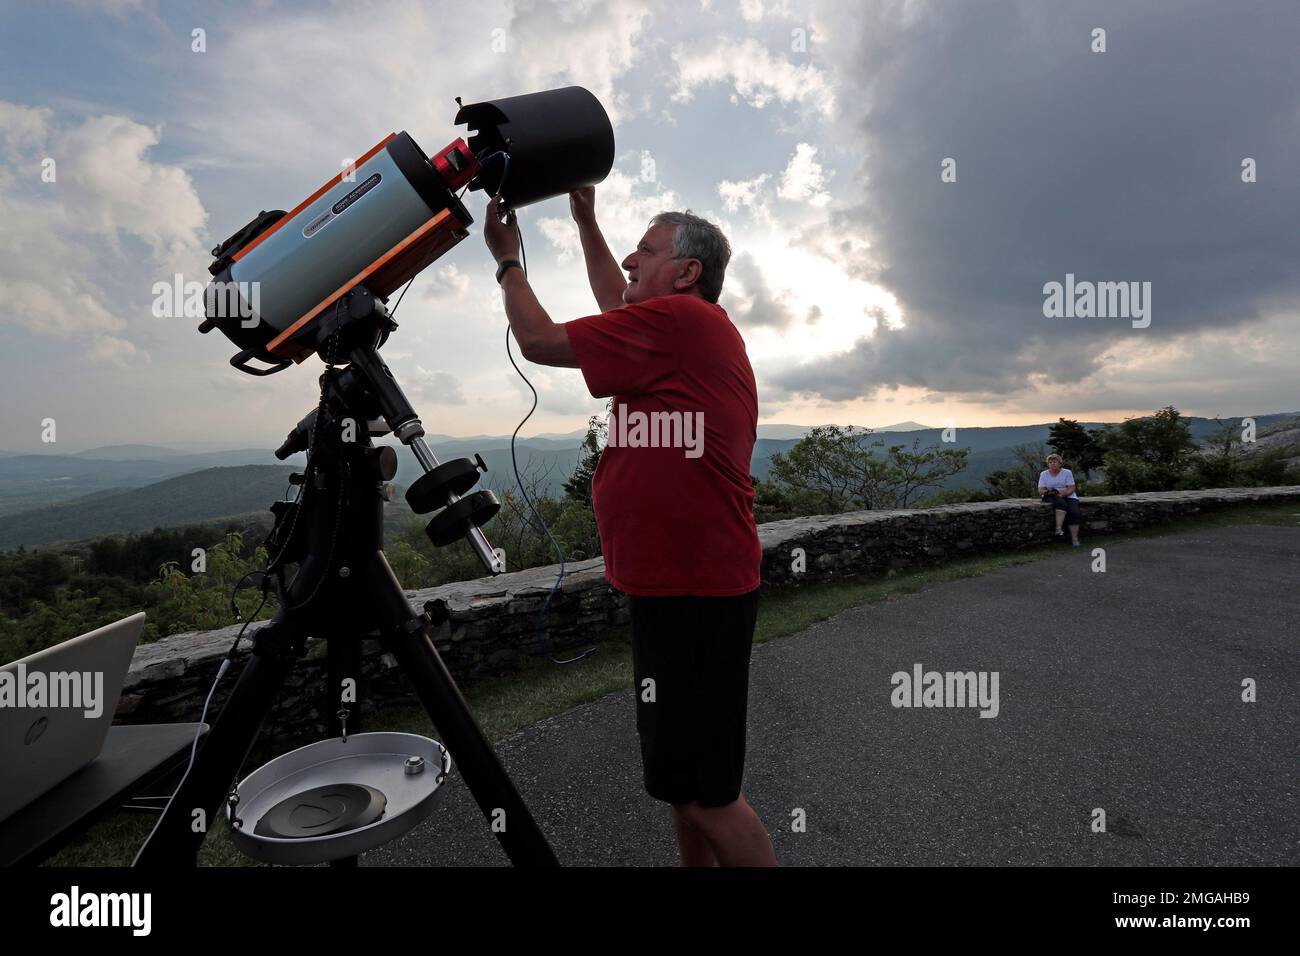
(334, 799)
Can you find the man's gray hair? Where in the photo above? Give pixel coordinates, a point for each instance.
(697, 238)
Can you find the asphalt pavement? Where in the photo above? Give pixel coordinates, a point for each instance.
(1118, 691)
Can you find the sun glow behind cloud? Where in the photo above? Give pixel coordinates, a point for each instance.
(826, 311)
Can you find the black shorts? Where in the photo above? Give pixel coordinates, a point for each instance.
(696, 650)
(1069, 505)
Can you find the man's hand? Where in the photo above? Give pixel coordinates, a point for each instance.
(500, 234)
(582, 204)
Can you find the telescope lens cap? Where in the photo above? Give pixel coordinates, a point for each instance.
(322, 811)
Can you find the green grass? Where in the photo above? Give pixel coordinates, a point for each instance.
(539, 689)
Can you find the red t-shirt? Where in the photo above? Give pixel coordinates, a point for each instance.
(677, 518)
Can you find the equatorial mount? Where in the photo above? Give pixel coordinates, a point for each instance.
(355, 328)
(344, 591)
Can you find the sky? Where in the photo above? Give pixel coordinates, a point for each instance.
(900, 182)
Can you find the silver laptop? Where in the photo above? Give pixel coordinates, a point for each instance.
(56, 707)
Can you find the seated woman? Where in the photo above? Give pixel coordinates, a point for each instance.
(1056, 485)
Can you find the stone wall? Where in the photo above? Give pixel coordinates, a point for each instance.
(490, 622)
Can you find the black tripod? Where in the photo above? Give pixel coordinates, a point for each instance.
(344, 588)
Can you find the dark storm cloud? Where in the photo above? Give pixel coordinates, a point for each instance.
(1115, 166)
(759, 308)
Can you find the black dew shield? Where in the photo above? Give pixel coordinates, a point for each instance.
(557, 141)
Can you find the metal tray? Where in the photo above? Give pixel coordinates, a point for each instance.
(376, 760)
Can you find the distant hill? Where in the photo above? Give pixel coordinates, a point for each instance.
(189, 499)
(1283, 436)
(81, 495)
(129, 452)
(904, 427)
(993, 448)
(783, 431)
(28, 481)
(555, 458)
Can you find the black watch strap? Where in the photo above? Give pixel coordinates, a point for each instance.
(506, 265)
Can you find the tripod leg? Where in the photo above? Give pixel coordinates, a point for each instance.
(179, 833)
(487, 780)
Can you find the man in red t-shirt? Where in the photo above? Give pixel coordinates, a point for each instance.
(673, 501)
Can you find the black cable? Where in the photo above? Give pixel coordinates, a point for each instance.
(393, 310)
(203, 717)
(539, 634)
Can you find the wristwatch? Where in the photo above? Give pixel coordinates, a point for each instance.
(505, 266)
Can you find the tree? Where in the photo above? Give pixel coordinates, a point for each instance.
(831, 467)
(836, 469)
(1148, 454)
(1077, 445)
(1224, 462)
(1009, 483)
(1021, 480)
(912, 471)
(578, 486)
(1217, 465)
(181, 601)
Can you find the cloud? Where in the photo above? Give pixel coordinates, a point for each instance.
(625, 204)
(562, 234)
(865, 275)
(590, 43)
(447, 281)
(60, 234)
(116, 8)
(755, 304)
(23, 129)
(754, 73)
(559, 392)
(753, 11)
(416, 60)
(111, 350)
(438, 388)
(746, 194)
(106, 176)
(1122, 166)
(804, 180)
(59, 309)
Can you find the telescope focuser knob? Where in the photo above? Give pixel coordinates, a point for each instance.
(384, 459)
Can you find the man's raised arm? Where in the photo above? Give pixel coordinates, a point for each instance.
(603, 270)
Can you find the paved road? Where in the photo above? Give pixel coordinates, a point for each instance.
(1119, 690)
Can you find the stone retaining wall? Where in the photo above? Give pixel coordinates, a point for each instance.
(491, 622)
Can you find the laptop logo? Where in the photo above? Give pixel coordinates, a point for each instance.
(35, 731)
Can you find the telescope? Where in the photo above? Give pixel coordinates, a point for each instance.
(391, 214)
(315, 281)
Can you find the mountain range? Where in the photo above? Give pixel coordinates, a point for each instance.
(56, 497)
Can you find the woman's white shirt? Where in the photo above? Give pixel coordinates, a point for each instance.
(1062, 479)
